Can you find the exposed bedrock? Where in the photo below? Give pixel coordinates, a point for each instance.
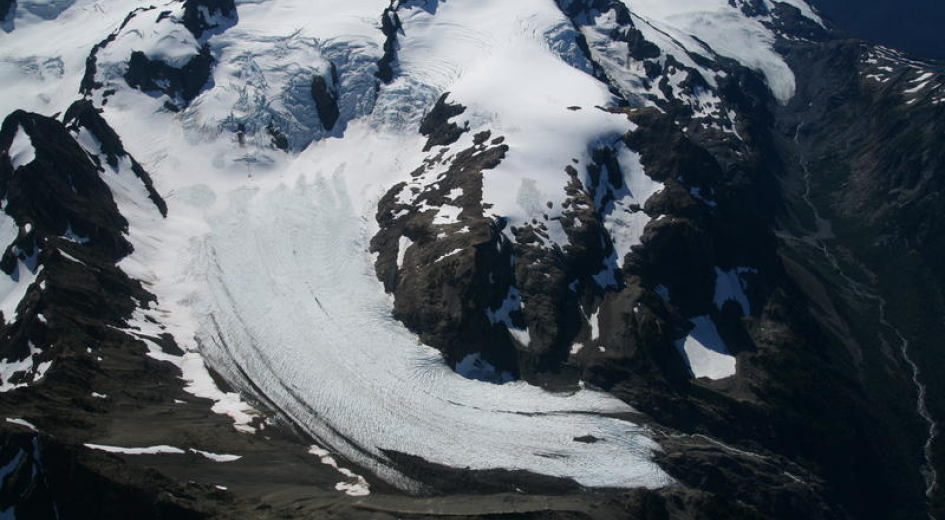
(208, 15)
(180, 84)
(70, 235)
(325, 96)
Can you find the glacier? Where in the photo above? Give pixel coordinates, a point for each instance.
(262, 265)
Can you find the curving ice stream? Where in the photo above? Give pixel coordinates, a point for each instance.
(292, 300)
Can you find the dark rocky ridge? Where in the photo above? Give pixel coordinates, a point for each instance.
(390, 26)
(325, 96)
(59, 189)
(438, 293)
(68, 220)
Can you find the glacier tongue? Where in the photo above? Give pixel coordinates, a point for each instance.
(291, 299)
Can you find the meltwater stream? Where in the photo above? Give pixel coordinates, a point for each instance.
(929, 474)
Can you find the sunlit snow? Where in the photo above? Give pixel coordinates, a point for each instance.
(706, 352)
(22, 422)
(726, 30)
(148, 450)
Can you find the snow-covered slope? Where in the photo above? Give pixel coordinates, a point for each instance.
(709, 27)
(44, 57)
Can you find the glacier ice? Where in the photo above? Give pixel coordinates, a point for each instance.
(292, 300)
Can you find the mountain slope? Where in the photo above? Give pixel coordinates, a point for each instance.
(594, 250)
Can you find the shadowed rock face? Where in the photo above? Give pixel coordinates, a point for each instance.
(205, 15)
(326, 99)
(390, 24)
(875, 180)
(180, 84)
(67, 221)
(442, 287)
(58, 189)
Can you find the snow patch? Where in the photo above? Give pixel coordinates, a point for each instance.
(705, 351)
(22, 422)
(216, 457)
(402, 246)
(624, 218)
(21, 150)
(194, 372)
(595, 327)
(36, 371)
(355, 486)
(149, 450)
(13, 288)
(447, 255)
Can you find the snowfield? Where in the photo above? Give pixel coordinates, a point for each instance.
(705, 351)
